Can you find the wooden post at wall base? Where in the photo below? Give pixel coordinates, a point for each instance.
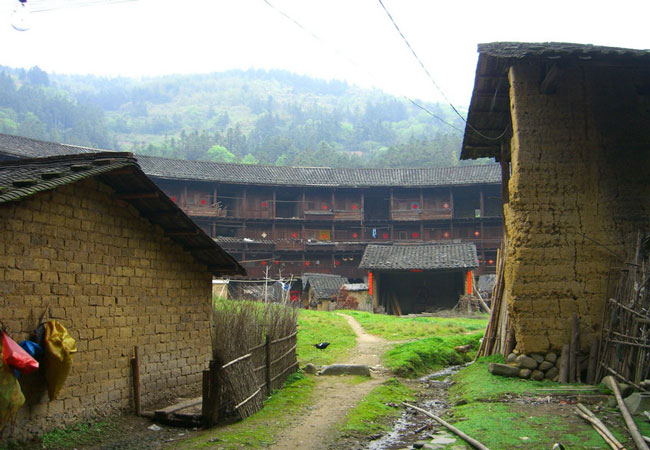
(135, 366)
(209, 407)
(205, 398)
(572, 352)
(593, 360)
(564, 364)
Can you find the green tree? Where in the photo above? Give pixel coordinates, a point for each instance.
(219, 153)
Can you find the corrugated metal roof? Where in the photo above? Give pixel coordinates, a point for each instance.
(420, 257)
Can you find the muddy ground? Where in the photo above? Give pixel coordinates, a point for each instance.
(317, 430)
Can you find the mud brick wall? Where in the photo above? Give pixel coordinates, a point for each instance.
(114, 280)
(579, 191)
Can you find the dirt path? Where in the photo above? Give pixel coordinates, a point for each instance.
(335, 396)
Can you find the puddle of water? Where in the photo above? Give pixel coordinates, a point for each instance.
(404, 433)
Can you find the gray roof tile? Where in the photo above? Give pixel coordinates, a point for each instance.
(420, 257)
(317, 176)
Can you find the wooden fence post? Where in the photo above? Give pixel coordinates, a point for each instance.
(268, 365)
(135, 366)
(209, 408)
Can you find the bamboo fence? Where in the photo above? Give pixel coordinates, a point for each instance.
(625, 340)
(254, 351)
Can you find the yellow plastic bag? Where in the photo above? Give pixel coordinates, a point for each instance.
(59, 347)
(11, 397)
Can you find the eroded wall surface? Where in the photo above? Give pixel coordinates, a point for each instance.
(114, 281)
(579, 192)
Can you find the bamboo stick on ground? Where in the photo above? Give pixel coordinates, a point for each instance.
(631, 426)
(599, 426)
(473, 442)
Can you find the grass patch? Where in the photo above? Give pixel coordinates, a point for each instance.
(485, 422)
(323, 326)
(475, 383)
(372, 415)
(76, 436)
(260, 430)
(395, 328)
(417, 358)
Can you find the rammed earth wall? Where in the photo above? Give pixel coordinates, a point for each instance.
(579, 192)
(114, 281)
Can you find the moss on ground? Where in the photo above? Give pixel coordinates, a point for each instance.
(417, 358)
(373, 415)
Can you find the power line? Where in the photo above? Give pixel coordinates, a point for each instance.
(37, 6)
(315, 36)
(424, 68)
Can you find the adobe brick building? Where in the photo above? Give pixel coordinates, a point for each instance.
(119, 264)
(570, 125)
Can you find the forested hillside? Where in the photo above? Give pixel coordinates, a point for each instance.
(254, 116)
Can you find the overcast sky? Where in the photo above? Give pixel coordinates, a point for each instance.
(356, 41)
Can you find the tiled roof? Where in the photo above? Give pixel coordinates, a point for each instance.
(355, 287)
(554, 50)
(317, 176)
(12, 147)
(22, 178)
(326, 286)
(18, 147)
(420, 257)
(488, 118)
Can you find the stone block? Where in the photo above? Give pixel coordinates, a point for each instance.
(537, 375)
(545, 365)
(525, 373)
(526, 362)
(504, 370)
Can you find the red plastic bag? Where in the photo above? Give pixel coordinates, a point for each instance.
(16, 357)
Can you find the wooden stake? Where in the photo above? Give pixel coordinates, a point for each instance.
(564, 364)
(573, 351)
(471, 441)
(593, 357)
(611, 382)
(135, 367)
(269, 365)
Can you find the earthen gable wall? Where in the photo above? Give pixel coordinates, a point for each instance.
(579, 192)
(115, 281)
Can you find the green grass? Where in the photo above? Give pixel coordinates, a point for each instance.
(476, 383)
(485, 421)
(372, 415)
(395, 328)
(75, 436)
(322, 326)
(282, 408)
(417, 358)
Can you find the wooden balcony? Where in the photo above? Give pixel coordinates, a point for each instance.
(204, 211)
(350, 214)
(319, 214)
(286, 244)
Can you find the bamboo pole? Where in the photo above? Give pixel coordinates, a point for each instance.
(480, 299)
(471, 441)
(599, 426)
(631, 426)
(564, 364)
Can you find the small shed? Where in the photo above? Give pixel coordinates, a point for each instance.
(412, 279)
(356, 294)
(320, 290)
(91, 238)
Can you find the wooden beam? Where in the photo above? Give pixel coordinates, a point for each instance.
(138, 195)
(182, 232)
(551, 80)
